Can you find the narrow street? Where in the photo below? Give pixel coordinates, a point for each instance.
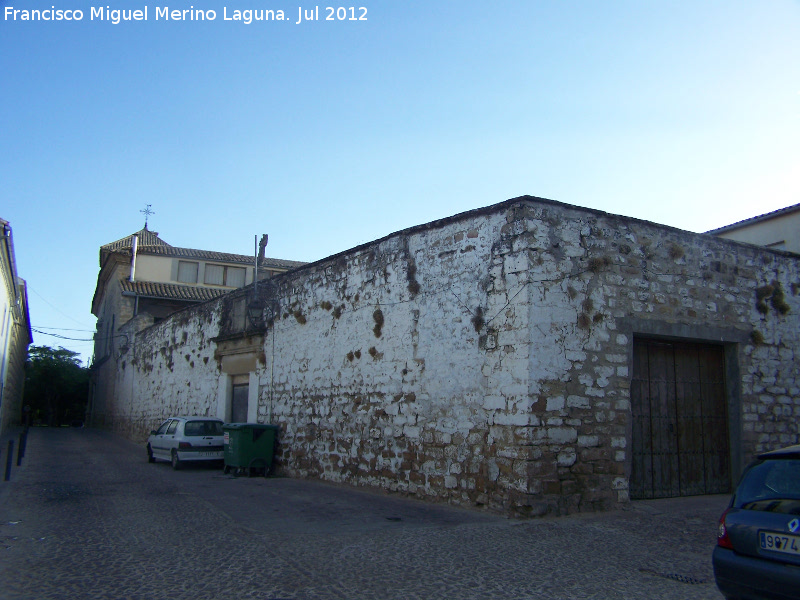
(86, 516)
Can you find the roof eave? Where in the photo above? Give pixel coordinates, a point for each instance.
(755, 220)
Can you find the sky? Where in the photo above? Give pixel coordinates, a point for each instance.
(327, 134)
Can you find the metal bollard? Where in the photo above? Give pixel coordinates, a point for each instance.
(9, 458)
(23, 440)
(21, 448)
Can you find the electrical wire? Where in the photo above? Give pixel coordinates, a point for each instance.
(63, 328)
(43, 299)
(63, 337)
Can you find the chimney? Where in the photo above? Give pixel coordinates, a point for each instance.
(134, 248)
(262, 245)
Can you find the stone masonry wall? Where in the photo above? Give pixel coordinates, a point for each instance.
(595, 282)
(379, 375)
(165, 370)
(485, 359)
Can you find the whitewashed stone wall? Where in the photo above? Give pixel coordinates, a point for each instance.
(484, 359)
(164, 370)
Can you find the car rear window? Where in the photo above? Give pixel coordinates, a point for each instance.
(771, 485)
(198, 428)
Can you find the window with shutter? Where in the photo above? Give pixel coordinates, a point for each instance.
(187, 271)
(236, 277)
(214, 275)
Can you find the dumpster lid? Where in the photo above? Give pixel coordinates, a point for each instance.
(250, 426)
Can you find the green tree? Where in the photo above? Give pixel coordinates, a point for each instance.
(56, 385)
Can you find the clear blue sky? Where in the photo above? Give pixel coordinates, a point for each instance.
(327, 135)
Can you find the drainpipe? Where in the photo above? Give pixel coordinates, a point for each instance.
(272, 376)
(134, 249)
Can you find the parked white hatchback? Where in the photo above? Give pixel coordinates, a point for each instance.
(183, 439)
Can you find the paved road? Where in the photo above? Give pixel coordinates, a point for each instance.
(87, 517)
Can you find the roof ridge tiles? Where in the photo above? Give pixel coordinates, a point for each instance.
(146, 238)
(215, 255)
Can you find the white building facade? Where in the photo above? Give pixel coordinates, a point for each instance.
(15, 332)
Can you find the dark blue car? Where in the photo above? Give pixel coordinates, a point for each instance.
(757, 556)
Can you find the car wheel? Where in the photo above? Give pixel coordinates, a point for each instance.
(150, 457)
(176, 462)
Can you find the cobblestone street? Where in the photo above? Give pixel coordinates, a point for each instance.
(86, 516)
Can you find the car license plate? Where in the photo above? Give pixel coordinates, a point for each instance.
(779, 542)
(215, 454)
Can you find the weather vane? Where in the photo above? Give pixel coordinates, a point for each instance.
(147, 212)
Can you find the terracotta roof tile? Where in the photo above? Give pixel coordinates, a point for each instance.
(171, 291)
(217, 256)
(146, 238)
(150, 243)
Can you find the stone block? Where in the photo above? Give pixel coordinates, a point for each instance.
(520, 452)
(567, 457)
(563, 435)
(582, 468)
(512, 419)
(551, 487)
(578, 402)
(494, 403)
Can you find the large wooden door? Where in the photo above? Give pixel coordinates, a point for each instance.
(679, 420)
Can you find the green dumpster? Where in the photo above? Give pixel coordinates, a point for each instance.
(249, 447)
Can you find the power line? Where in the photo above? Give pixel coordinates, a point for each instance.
(63, 328)
(62, 337)
(28, 286)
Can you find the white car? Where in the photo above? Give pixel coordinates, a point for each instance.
(183, 439)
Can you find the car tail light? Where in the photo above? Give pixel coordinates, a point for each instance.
(723, 539)
(184, 445)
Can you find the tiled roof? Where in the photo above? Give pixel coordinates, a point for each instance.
(167, 250)
(757, 219)
(171, 291)
(146, 238)
(150, 243)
